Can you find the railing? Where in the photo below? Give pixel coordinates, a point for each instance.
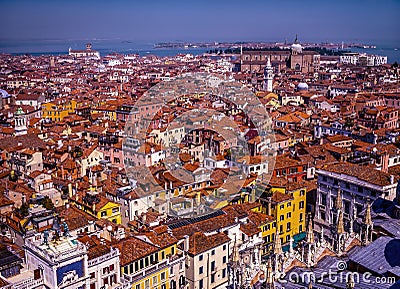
(150, 270)
(27, 284)
(54, 256)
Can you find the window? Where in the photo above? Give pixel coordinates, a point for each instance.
(224, 273)
(201, 257)
(182, 280)
(115, 210)
(288, 226)
(147, 284)
(282, 207)
(136, 266)
(289, 204)
(323, 199)
(301, 204)
(163, 276)
(201, 270)
(103, 214)
(212, 265)
(137, 286)
(141, 264)
(282, 217)
(155, 280)
(224, 259)
(213, 278)
(224, 247)
(201, 284)
(213, 252)
(289, 215)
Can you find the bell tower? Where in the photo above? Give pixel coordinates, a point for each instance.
(268, 76)
(20, 122)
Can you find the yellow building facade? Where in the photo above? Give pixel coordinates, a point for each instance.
(288, 207)
(111, 211)
(57, 111)
(150, 270)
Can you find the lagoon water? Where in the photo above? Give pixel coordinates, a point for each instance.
(104, 46)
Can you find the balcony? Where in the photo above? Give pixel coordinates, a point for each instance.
(133, 278)
(27, 284)
(56, 252)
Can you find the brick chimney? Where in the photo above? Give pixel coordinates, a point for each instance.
(385, 162)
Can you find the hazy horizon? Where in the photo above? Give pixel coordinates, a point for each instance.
(142, 22)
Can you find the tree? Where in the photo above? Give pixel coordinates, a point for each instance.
(47, 203)
(24, 209)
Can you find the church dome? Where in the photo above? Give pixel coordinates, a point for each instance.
(4, 94)
(297, 47)
(302, 86)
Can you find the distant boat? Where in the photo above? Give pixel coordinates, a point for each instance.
(395, 49)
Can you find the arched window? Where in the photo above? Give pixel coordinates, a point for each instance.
(181, 280)
(297, 66)
(172, 284)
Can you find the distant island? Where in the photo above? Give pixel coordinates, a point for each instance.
(261, 45)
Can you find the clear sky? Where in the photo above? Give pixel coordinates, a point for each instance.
(196, 20)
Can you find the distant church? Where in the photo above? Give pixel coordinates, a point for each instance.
(295, 59)
(88, 53)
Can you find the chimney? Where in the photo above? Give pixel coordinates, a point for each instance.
(70, 190)
(198, 197)
(385, 162)
(186, 243)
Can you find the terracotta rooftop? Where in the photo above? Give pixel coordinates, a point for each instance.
(199, 242)
(279, 197)
(133, 249)
(365, 173)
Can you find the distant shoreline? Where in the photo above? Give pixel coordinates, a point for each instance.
(165, 49)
